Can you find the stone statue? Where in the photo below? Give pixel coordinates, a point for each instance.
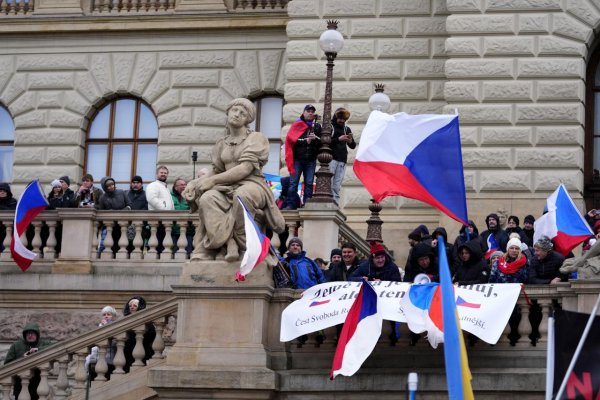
(237, 161)
(587, 266)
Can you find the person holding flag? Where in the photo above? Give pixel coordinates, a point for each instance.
(301, 149)
(500, 237)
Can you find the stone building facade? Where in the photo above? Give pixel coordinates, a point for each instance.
(514, 70)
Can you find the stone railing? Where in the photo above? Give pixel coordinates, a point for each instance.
(17, 7)
(84, 237)
(137, 8)
(60, 368)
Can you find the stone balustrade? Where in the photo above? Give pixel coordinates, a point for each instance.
(111, 8)
(59, 371)
(87, 237)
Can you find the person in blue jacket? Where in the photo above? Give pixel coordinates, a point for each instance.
(304, 272)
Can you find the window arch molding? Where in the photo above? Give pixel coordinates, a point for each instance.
(121, 140)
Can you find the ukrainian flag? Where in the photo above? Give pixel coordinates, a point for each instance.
(458, 375)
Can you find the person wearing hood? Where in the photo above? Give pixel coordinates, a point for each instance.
(304, 272)
(472, 269)
(466, 234)
(441, 232)
(7, 201)
(134, 305)
(493, 228)
(423, 261)
(378, 267)
(341, 140)
(30, 343)
(113, 198)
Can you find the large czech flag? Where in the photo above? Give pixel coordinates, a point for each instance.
(563, 223)
(31, 203)
(257, 245)
(360, 333)
(415, 156)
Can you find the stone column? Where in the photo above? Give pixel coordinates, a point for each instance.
(321, 228)
(76, 241)
(222, 333)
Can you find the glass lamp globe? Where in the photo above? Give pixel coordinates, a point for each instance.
(379, 101)
(331, 41)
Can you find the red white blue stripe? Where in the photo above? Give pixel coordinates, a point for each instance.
(360, 333)
(415, 156)
(31, 203)
(492, 245)
(257, 245)
(563, 223)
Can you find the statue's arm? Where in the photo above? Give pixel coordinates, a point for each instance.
(233, 175)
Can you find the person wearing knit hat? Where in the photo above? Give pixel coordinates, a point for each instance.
(545, 266)
(512, 267)
(304, 272)
(341, 140)
(66, 180)
(68, 200)
(494, 257)
(335, 256)
(137, 194)
(378, 267)
(528, 229)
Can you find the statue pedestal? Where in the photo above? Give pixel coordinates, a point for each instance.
(222, 331)
(321, 228)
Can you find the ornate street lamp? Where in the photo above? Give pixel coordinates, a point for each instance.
(331, 42)
(381, 102)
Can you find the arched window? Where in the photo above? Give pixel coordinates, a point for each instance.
(122, 142)
(269, 120)
(7, 145)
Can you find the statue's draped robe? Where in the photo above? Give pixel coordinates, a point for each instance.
(221, 215)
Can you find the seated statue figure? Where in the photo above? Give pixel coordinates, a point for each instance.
(237, 161)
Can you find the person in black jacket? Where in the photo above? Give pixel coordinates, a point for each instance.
(134, 305)
(136, 194)
(493, 228)
(344, 269)
(113, 198)
(378, 267)
(473, 269)
(422, 261)
(305, 149)
(544, 267)
(7, 201)
(341, 139)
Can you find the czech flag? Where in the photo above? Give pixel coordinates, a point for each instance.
(257, 245)
(423, 312)
(296, 130)
(563, 223)
(360, 333)
(415, 156)
(492, 245)
(31, 203)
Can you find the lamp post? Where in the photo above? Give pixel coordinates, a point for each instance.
(378, 101)
(331, 42)
(194, 159)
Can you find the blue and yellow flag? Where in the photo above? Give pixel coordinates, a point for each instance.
(458, 375)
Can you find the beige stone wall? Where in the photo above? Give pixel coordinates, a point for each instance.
(53, 84)
(514, 70)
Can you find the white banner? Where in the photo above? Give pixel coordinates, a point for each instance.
(483, 309)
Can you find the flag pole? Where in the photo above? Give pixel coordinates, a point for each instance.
(579, 347)
(279, 265)
(550, 359)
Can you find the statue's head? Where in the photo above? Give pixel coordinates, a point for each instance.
(247, 104)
